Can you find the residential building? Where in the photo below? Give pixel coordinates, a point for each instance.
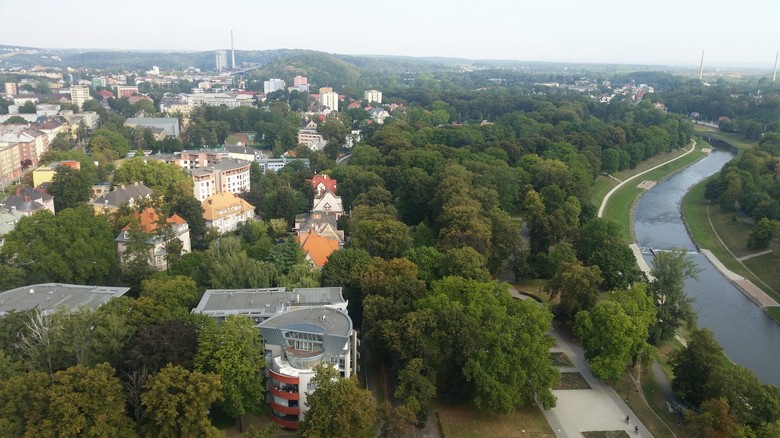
(276, 164)
(329, 203)
(9, 217)
(51, 296)
(227, 175)
(51, 126)
(372, 96)
(158, 241)
(90, 119)
(193, 158)
(243, 152)
(272, 85)
(27, 201)
(170, 125)
(379, 115)
(172, 106)
(10, 164)
(329, 98)
(301, 83)
(46, 173)
(11, 89)
(301, 329)
(309, 136)
(126, 91)
(79, 94)
(317, 247)
(225, 211)
(105, 94)
(230, 100)
(121, 195)
(30, 142)
(321, 182)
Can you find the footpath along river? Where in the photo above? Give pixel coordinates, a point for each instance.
(748, 336)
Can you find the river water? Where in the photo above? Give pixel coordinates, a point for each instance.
(748, 336)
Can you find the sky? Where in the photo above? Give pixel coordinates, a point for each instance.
(657, 32)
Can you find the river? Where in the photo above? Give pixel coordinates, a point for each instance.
(748, 336)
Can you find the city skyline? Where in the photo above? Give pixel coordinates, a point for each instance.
(601, 31)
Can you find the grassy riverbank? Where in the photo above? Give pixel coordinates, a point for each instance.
(620, 205)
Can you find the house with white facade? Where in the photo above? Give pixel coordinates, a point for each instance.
(328, 203)
(301, 329)
(158, 241)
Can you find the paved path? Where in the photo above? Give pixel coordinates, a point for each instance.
(662, 381)
(581, 410)
(750, 256)
(617, 187)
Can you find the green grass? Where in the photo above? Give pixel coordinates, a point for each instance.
(736, 140)
(606, 434)
(619, 207)
(734, 234)
(465, 421)
(648, 415)
(773, 312)
(571, 381)
(560, 359)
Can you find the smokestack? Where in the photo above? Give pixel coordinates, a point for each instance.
(701, 66)
(232, 51)
(774, 75)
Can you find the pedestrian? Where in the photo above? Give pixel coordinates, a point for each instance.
(636, 429)
(626, 419)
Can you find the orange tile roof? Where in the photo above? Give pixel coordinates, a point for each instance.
(330, 184)
(149, 219)
(219, 205)
(319, 248)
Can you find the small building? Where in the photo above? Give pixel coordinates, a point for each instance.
(329, 203)
(169, 124)
(27, 201)
(46, 173)
(121, 195)
(317, 247)
(322, 182)
(225, 211)
(149, 222)
(51, 296)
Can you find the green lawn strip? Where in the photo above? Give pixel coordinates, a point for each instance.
(694, 209)
(627, 391)
(736, 140)
(465, 421)
(619, 205)
(773, 312)
(560, 359)
(606, 434)
(571, 381)
(601, 186)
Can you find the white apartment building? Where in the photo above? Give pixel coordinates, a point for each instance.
(329, 98)
(225, 176)
(372, 96)
(272, 85)
(79, 94)
(301, 329)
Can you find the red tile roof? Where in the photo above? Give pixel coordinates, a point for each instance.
(149, 220)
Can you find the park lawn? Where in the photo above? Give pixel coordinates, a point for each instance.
(236, 137)
(737, 140)
(620, 205)
(694, 208)
(649, 416)
(773, 312)
(534, 287)
(464, 421)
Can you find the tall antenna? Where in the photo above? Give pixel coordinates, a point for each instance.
(774, 75)
(701, 66)
(232, 51)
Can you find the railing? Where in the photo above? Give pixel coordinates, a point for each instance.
(285, 409)
(282, 378)
(284, 394)
(287, 424)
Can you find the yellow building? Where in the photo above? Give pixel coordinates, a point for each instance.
(46, 174)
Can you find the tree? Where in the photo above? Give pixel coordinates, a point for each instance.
(416, 387)
(605, 332)
(227, 266)
(189, 209)
(177, 403)
(464, 262)
(173, 295)
(23, 403)
(337, 407)
(639, 306)
(695, 365)
(234, 351)
(85, 249)
(712, 421)
(154, 346)
(165, 179)
(70, 188)
(85, 402)
(577, 286)
(386, 238)
(671, 269)
(762, 233)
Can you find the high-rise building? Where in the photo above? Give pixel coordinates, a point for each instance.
(372, 96)
(221, 61)
(301, 83)
(272, 85)
(329, 98)
(79, 94)
(10, 88)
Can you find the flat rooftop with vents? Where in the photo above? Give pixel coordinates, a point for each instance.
(50, 296)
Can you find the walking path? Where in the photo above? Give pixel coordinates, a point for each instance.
(583, 410)
(750, 256)
(617, 187)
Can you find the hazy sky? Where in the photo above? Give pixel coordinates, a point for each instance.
(671, 32)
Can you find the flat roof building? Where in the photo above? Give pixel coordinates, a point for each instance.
(50, 296)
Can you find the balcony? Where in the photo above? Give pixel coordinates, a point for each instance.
(282, 378)
(287, 395)
(285, 409)
(288, 422)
